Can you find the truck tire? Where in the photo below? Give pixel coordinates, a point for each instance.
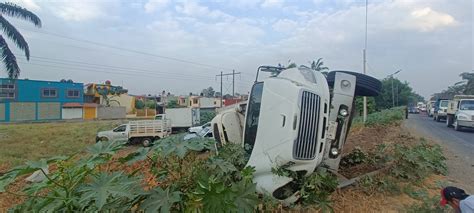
(365, 85)
(449, 121)
(146, 142)
(456, 126)
(103, 139)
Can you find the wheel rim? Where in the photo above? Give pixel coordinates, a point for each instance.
(146, 142)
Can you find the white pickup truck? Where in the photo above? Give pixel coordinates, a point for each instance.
(296, 118)
(144, 132)
(460, 112)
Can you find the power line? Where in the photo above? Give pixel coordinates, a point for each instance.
(102, 71)
(123, 49)
(96, 66)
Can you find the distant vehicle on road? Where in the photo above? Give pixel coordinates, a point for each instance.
(440, 110)
(412, 110)
(144, 132)
(430, 108)
(460, 112)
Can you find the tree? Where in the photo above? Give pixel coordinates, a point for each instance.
(469, 77)
(318, 65)
(209, 92)
(8, 58)
(403, 94)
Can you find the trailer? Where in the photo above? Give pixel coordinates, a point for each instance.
(181, 118)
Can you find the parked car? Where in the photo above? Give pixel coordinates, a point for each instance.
(144, 132)
(204, 133)
(196, 129)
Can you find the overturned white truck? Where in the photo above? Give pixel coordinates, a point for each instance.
(296, 117)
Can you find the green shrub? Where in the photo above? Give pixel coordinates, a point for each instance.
(418, 161)
(206, 117)
(384, 117)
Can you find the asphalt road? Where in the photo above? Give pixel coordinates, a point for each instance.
(458, 146)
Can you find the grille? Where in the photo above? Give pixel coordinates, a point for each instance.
(306, 142)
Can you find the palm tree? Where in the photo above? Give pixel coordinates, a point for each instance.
(318, 65)
(8, 58)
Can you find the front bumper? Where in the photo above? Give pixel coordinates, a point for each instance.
(464, 123)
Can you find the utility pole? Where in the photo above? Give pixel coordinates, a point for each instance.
(393, 92)
(365, 57)
(221, 91)
(233, 82)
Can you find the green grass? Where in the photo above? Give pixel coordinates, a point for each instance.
(384, 117)
(22, 142)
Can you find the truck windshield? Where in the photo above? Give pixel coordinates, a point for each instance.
(467, 105)
(253, 113)
(443, 104)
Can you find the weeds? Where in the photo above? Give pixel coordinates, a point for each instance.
(384, 117)
(418, 161)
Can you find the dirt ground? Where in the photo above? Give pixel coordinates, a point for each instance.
(350, 199)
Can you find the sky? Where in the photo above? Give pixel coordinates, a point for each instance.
(180, 46)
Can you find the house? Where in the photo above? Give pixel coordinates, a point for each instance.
(204, 103)
(35, 100)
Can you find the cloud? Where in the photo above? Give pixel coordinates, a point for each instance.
(154, 5)
(194, 9)
(28, 4)
(272, 4)
(284, 25)
(426, 19)
(75, 10)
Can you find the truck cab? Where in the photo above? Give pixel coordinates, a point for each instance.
(440, 110)
(298, 119)
(118, 133)
(460, 112)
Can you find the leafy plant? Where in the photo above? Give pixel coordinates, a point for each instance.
(418, 161)
(160, 200)
(357, 156)
(206, 117)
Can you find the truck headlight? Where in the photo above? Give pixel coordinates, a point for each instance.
(334, 151)
(462, 117)
(343, 112)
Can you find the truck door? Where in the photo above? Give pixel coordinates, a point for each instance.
(120, 133)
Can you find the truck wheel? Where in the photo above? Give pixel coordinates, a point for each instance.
(365, 85)
(146, 142)
(103, 139)
(449, 121)
(456, 126)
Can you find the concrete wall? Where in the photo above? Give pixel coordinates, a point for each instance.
(22, 111)
(111, 112)
(3, 112)
(49, 111)
(72, 113)
(125, 100)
